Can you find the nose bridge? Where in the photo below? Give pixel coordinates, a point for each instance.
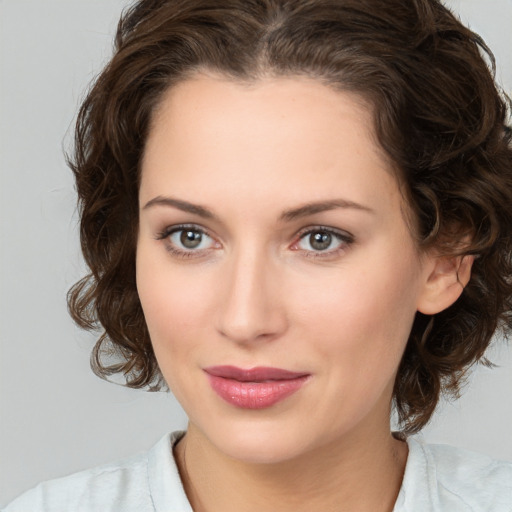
(250, 307)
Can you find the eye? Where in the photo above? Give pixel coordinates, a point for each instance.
(190, 239)
(323, 240)
(186, 240)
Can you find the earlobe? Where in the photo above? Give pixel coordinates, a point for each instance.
(446, 279)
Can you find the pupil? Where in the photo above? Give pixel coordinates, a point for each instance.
(190, 239)
(320, 240)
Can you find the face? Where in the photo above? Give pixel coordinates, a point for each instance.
(276, 270)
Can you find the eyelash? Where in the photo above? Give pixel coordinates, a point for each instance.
(345, 238)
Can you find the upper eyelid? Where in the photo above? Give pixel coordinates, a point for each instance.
(168, 230)
(335, 231)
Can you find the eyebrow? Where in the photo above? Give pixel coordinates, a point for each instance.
(286, 216)
(322, 206)
(185, 206)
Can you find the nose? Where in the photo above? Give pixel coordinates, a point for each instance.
(251, 306)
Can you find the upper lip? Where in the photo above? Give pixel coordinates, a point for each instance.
(259, 373)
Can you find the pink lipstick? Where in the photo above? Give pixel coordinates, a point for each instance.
(254, 388)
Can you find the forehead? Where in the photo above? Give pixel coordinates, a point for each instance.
(279, 139)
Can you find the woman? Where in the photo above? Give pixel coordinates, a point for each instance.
(296, 214)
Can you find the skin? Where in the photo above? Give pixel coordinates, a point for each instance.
(256, 292)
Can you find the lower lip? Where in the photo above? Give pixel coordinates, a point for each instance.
(255, 395)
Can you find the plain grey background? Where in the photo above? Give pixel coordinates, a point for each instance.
(56, 416)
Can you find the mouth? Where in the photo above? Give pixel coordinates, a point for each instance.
(254, 388)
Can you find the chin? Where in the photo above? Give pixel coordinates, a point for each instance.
(262, 452)
(258, 443)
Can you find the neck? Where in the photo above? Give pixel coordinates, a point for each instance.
(361, 472)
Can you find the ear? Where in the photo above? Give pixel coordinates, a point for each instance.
(446, 277)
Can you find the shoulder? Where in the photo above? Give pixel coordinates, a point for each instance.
(87, 490)
(123, 485)
(480, 481)
(450, 478)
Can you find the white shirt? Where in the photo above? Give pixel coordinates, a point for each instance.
(437, 478)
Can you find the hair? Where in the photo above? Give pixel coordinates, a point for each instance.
(438, 116)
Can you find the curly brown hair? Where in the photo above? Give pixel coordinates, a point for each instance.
(438, 115)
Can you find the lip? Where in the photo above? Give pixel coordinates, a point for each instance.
(254, 388)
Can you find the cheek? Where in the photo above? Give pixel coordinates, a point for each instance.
(175, 306)
(363, 316)
(357, 330)
(176, 313)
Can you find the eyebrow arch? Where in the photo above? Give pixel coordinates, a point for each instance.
(180, 205)
(321, 206)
